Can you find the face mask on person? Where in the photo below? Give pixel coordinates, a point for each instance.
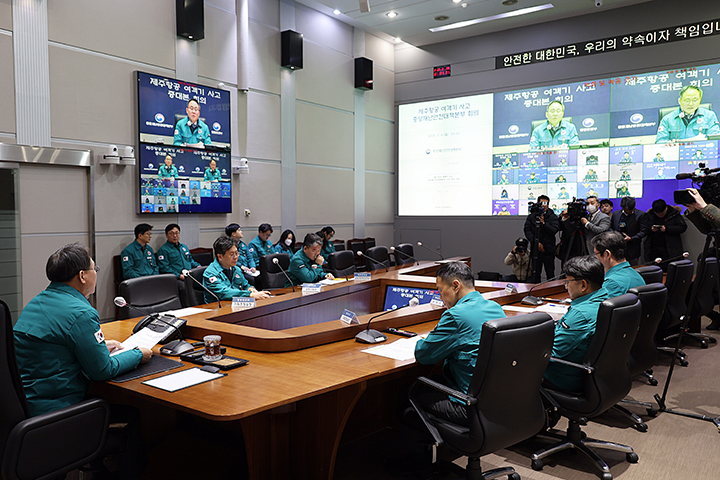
(288, 241)
(592, 209)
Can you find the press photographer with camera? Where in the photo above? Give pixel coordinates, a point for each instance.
(705, 216)
(581, 221)
(541, 226)
(519, 258)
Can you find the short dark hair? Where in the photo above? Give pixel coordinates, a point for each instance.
(67, 262)
(141, 228)
(607, 201)
(459, 271)
(588, 268)
(543, 197)
(311, 240)
(171, 226)
(628, 202)
(193, 100)
(555, 101)
(659, 205)
(591, 196)
(612, 241)
(222, 245)
(232, 228)
(693, 87)
(264, 227)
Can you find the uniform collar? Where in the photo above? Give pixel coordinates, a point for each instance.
(64, 287)
(617, 267)
(590, 297)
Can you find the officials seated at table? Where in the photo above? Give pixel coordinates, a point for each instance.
(138, 258)
(245, 261)
(174, 257)
(261, 245)
(285, 244)
(306, 264)
(223, 277)
(610, 248)
(328, 247)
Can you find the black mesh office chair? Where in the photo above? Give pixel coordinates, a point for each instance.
(270, 274)
(155, 293)
(512, 357)
(46, 446)
(380, 254)
(651, 274)
(678, 281)
(341, 264)
(195, 293)
(408, 250)
(606, 381)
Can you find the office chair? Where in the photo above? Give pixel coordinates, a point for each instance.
(341, 264)
(357, 245)
(643, 353)
(606, 381)
(408, 250)
(651, 274)
(369, 242)
(270, 274)
(512, 358)
(339, 245)
(380, 254)
(117, 280)
(180, 116)
(195, 293)
(154, 293)
(38, 447)
(202, 255)
(678, 281)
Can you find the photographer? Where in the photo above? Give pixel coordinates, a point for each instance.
(520, 261)
(703, 215)
(633, 225)
(664, 238)
(547, 225)
(585, 223)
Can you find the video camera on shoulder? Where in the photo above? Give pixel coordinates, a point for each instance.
(534, 207)
(707, 182)
(577, 209)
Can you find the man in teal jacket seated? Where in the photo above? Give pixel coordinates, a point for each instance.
(456, 338)
(620, 277)
(212, 174)
(554, 132)
(174, 257)
(138, 258)
(224, 278)
(306, 264)
(689, 120)
(191, 130)
(583, 280)
(261, 245)
(168, 170)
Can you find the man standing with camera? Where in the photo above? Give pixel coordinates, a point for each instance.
(581, 222)
(633, 225)
(541, 226)
(664, 239)
(519, 258)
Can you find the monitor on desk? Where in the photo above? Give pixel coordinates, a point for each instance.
(396, 296)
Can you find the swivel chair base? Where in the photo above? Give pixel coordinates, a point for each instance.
(575, 439)
(701, 338)
(650, 378)
(473, 471)
(682, 361)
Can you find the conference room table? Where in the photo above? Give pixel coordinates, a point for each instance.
(292, 403)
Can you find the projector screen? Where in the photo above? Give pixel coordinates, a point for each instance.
(494, 154)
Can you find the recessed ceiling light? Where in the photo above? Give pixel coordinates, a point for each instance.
(514, 13)
(392, 14)
(441, 18)
(464, 5)
(509, 3)
(397, 40)
(457, 1)
(337, 12)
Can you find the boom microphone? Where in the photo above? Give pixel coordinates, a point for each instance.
(187, 274)
(277, 262)
(404, 254)
(431, 250)
(377, 262)
(535, 301)
(373, 336)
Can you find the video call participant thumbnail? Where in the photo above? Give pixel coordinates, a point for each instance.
(191, 130)
(554, 132)
(168, 171)
(212, 174)
(689, 121)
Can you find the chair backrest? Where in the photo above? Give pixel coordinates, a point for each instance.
(194, 292)
(270, 274)
(378, 253)
(342, 263)
(678, 281)
(704, 301)
(369, 242)
(356, 245)
(339, 245)
(407, 249)
(643, 354)
(651, 274)
(13, 406)
(154, 293)
(203, 255)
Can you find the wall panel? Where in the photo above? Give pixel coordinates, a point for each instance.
(263, 126)
(326, 77)
(7, 80)
(379, 145)
(324, 195)
(318, 28)
(324, 136)
(379, 197)
(264, 61)
(217, 52)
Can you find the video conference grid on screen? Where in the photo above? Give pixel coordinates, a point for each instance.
(493, 154)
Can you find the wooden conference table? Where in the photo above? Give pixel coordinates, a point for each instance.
(293, 400)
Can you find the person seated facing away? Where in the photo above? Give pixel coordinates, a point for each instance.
(245, 261)
(174, 257)
(212, 174)
(519, 258)
(584, 277)
(306, 264)
(224, 278)
(620, 277)
(456, 338)
(138, 258)
(285, 244)
(327, 233)
(261, 245)
(168, 171)
(191, 130)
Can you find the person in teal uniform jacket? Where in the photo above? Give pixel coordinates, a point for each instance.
(610, 248)
(456, 338)
(689, 120)
(328, 247)
(224, 278)
(626, 159)
(306, 264)
(285, 244)
(590, 176)
(554, 132)
(245, 261)
(174, 257)
(261, 245)
(584, 278)
(138, 258)
(168, 171)
(212, 174)
(191, 130)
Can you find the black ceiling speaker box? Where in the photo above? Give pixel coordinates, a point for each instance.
(363, 73)
(291, 50)
(190, 15)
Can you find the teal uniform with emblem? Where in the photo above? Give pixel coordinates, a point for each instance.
(326, 251)
(212, 175)
(544, 136)
(303, 270)
(172, 258)
(225, 283)
(257, 248)
(244, 258)
(138, 261)
(621, 278)
(676, 126)
(60, 348)
(164, 172)
(184, 134)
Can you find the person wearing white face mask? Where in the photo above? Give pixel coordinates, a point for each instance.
(285, 244)
(596, 222)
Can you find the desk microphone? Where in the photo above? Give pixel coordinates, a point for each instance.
(373, 336)
(535, 301)
(660, 261)
(377, 262)
(431, 250)
(187, 274)
(277, 262)
(171, 348)
(404, 254)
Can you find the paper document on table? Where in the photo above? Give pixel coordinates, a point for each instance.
(403, 349)
(186, 378)
(511, 308)
(332, 282)
(555, 310)
(145, 338)
(184, 312)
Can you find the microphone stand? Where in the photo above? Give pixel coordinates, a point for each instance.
(377, 262)
(277, 262)
(535, 301)
(431, 250)
(397, 250)
(121, 302)
(373, 336)
(187, 274)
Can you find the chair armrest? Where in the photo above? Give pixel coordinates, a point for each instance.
(587, 368)
(466, 399)
(56, 442)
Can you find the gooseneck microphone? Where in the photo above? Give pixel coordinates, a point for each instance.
(277, 262)
(535, 301)
(419, 244)
(404, 254)
(187, 274)
(373, 336)
(121, 302)
(660, 261)
(376, 262)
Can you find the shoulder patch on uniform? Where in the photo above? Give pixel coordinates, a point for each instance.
(564, 325)
(161, 257)
(100, 336)
(302, 265)
(212, 279)
(125, 259)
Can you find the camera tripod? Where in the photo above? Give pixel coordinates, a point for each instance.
(577, 235)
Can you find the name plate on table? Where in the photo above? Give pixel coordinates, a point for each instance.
(242, 303)
(510, 288)
(437, 301)
(311, 288)
(362, 276)
(349, 317)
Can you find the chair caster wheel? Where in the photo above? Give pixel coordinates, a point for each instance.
(683, 363)
(653, 382)
(537, 465)
(607, 476)
(514, 476)
(652, 412)
(641, 427)
(650, 371)
(703, 344)
(632, 457)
